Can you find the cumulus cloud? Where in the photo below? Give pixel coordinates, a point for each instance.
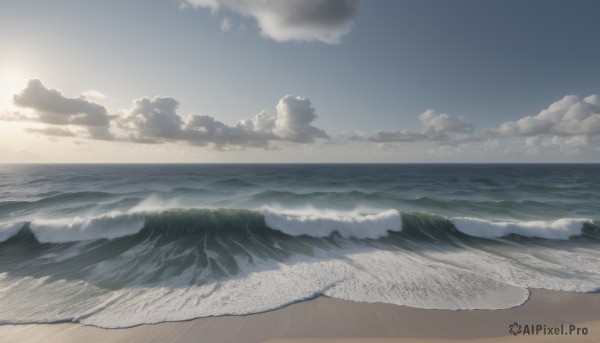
(443, 123)
(156, 120)
(307, 20)
(570, 125)
(52, 107)
(569, 116)
(571, 144)
(294, 118)
(436, 127)
(203, 130)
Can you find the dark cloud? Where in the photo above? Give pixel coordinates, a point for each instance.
(307, 20)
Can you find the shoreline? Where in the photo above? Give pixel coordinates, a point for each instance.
(324, 319)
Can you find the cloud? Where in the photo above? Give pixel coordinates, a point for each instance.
(392, 136)
(203, 130)
(570, 125)
(226, 25)
(54, 108)
(443, 123)
(436, 127)
(52, 131)
(51, 107)
(294, 118)
(568, 116)
(92, 93)
(156, 120)
(16, 116)
(307, 20)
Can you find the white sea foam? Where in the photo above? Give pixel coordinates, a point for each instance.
(429, 278)
(436, 277)
(558, 229)
(110, 225)
(7, 230)
(322, 223)
(154, 203)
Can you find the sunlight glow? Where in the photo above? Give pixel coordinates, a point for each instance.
(11, 82)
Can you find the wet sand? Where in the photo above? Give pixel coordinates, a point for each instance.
(331, 320)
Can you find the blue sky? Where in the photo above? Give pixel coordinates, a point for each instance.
(366, 81)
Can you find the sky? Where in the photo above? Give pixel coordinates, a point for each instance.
(280, 81)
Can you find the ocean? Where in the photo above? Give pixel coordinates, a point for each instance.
(123, 245)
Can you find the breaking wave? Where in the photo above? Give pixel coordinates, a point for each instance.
(360, 224)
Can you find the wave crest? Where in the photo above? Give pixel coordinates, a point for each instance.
(564, 228)
(319, 223)
(111, 225)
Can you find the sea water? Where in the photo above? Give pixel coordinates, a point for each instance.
(123, 245)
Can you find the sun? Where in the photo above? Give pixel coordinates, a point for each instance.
(12, 80)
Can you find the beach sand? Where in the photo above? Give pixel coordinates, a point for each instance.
(331, 320)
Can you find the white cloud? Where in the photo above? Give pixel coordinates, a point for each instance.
(92, 93)
(443, 123)
(535, 145)
(572, 144)
(261, 122)
(154, 118)
(436, 127)
(396, 136)
(54, 108)
(568, 126)
(51, 107)
(294, 118)
(204, 130)
(307, 20)
(568, 116)
(226, 25)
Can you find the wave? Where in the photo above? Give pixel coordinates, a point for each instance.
(107, 226)
(321, 223)
(122, 269)
(564, 228)
(152, 216)
(8, 230)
